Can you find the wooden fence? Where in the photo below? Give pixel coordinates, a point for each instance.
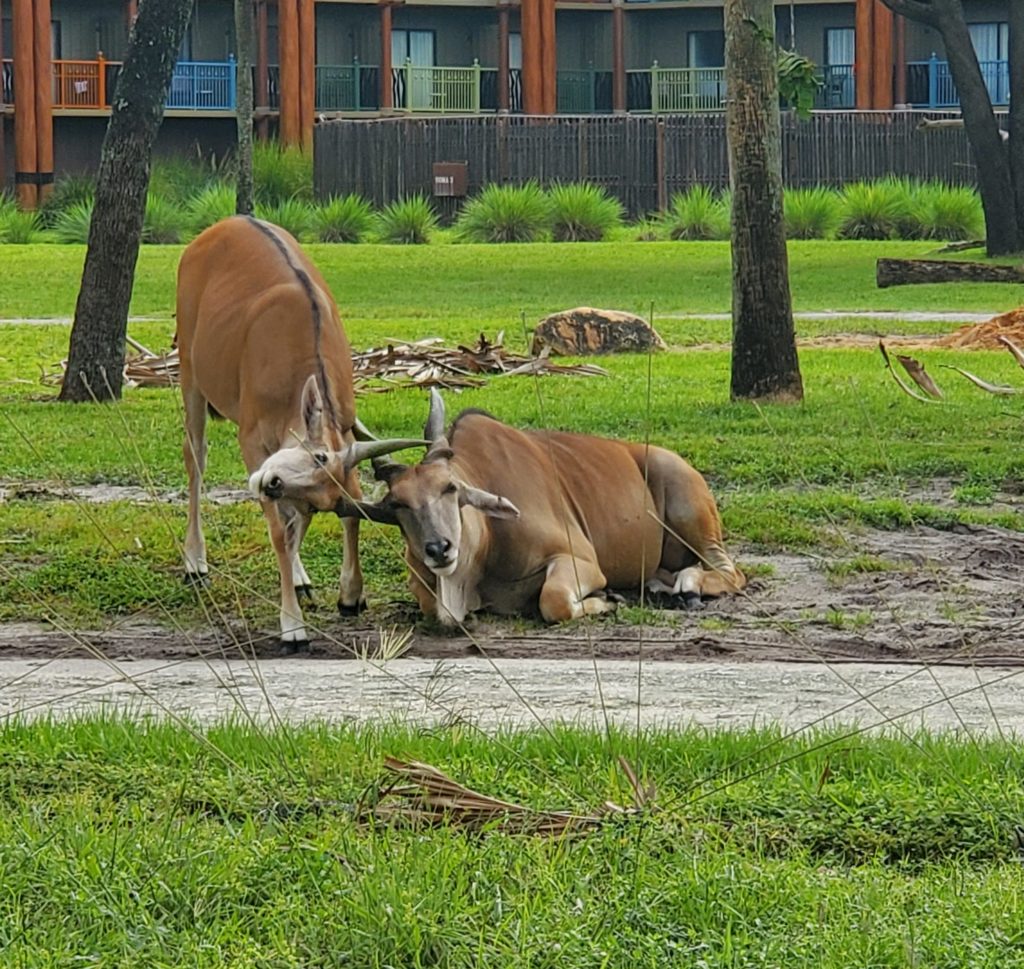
(642, 160)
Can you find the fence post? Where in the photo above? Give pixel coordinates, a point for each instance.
(357, 100)
(408, 84)
(101, 81)
(933, 80)
(476, 86)
(655, 94)
(232, 83)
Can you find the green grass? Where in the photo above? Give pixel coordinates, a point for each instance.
(425, 286)
(125, 844)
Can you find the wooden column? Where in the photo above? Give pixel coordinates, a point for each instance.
(261, 89)
(900, 40)
(864, 56)
(131, 11)
(386, 90)
(503, 69)
(881, 71)
(289, 78)
(533, 62)
(307, 70)
(618, 57)
(24, 104)
(550, 50)
(44, 100)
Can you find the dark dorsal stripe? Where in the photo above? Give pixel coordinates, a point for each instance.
(307, 284)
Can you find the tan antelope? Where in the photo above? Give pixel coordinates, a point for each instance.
(518, 522)
(262, 345)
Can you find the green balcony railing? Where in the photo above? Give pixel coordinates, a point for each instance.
(687, 90)
(444, 90)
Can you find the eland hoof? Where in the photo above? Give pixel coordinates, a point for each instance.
(691, 601)
(200, 580)
(304, 592)
(289, 647)
(354, 610)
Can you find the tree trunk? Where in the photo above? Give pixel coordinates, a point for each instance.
(244, 39)
(96, 355)
(764, 358)
(1016, 16)
(906, 272)
(995, 184)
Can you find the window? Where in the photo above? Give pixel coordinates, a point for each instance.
(515, 52)
(840, 46)
(705, 48)
(992, 45)
(416, 46)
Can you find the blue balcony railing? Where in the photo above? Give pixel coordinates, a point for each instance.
(203, 86)
(930, 83)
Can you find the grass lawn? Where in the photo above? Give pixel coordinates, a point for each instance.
(156, 845)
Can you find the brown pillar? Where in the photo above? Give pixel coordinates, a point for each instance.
(307, 70)
(503, 76)
(550, 56)
(44, 99)
(881, 73)
(533, 62)
(864, 66)
(618, 57)
(900, 40)
(24, 104)
(289, 81)
(131, 11)
(262, 56)
(386, 90)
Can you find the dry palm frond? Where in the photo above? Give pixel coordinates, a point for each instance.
(421, 363)
(999, 389)
(420, 794)
(909, 391)
(920, 376)
(1018, 354)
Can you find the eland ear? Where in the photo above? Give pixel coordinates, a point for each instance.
(312, 411)
(433, 430)
(493, 506)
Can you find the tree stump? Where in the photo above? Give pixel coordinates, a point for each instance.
(585, 331)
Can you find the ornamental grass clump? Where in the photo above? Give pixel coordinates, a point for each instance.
(697, 214)
(408, 221)
(811, 213)
(347, 218)
(165, 223)
(505, 213)
(281, 173)
(293, 215)
(950, 213)
(211, 204)
(68, 190)
(18, 228)
(875, 210)
(72, 225)
(583, 212)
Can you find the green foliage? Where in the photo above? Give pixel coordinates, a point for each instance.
(799, 82)
(583, 212)
(950, 213)
(293, 215)
(697, 214)
(408, 221)
(17, 227)
(874, 210)
(72, 224)
(281, 173)
(505, 213)
(68, 190)
(177, 178)
(165, 223)
(211, 204)
(347, 218)
(811, 213)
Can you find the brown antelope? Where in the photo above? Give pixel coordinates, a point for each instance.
(262, 345)
(525, 521)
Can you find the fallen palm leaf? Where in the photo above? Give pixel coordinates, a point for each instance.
(920, 376)
(422, 794)
(1000, 389)
(1018, 354)
(909, 391)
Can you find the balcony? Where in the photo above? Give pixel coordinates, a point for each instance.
(658, 90)
(930, 83)
(838, 88)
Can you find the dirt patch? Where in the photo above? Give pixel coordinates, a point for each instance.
(923, 595)
(985, 336)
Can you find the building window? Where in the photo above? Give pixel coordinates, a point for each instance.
(515, 52)
(416, 46)
(992, 45)
(705, 48)
(840, 46)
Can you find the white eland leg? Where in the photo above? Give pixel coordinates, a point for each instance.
(350, 595)
(293, 628)
(296, 525)
(194, 452)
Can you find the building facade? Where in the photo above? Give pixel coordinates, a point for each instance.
(367, 58)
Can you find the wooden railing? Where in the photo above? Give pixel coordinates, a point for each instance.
(83, 84)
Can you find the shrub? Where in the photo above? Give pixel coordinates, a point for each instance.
(178, 178)
(72, 225)
(875, 210)
(505, 213)
(697, 214)
(293, 215)
(583, 212)
(67, 191)
(811, 213)
(344, 219)
(949, 213)
(648, 230)
(281, 173)
(17, 227)
(211, 204)
(410, 221)
(165, 222)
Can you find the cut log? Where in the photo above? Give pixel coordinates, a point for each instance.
(906, 272)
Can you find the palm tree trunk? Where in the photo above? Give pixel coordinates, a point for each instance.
(245, 34)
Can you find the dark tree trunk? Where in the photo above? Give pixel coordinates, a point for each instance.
(96, 356)
(1017, 109)
(906, 272)
(245, 35)
(1003, 234)
(764, 358)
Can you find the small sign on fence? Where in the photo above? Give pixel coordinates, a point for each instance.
(450, 179)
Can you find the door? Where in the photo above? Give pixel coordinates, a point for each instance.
(705, 50)
(992, 45)
(416, 47)
(840, 56)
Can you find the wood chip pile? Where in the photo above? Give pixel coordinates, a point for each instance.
(986, 336)
(423, 363)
